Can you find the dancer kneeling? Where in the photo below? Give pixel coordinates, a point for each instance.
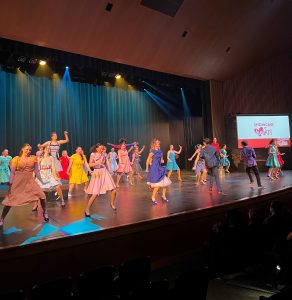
(157, 175)
(101, 181)
(24, 190)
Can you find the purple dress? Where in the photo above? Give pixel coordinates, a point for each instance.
(157, 173)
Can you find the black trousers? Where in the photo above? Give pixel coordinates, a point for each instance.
(256, 173)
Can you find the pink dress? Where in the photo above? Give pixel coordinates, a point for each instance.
(124, 162)
(101, 181)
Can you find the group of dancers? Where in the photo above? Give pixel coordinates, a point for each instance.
(30, 176)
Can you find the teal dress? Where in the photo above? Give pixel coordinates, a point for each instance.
(272, 161)
(4, 168)
(224, 161)
(172, 165)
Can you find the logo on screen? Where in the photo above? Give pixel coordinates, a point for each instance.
(263, 131)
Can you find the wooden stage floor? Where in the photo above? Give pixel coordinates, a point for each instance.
(22, 226)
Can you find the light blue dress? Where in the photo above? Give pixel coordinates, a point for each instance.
(172, 165)
(4, 168)
(113, 161)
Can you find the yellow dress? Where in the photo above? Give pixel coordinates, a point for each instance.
(77, 173)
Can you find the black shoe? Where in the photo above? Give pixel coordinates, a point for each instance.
(87, 215)
(210, 189)
(46, 217)
(35, 208)
(63, 205)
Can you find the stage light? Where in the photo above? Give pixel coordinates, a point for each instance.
(67, 67)
(118, 76)
(33, 61)
(21, 59)
(42, 62)
(278, 268)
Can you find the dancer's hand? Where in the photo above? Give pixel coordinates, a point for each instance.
(65, 132)
(189, 159)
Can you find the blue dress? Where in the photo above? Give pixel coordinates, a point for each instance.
(157, 173)
(172, 165)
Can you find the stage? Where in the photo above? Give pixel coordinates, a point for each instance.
(24, 227)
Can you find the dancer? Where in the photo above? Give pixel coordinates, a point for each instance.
(49, 179)
(157, 175)
(224, 161)
(216, 145)
(212, 158)
(199, 166)
(272, 161)
(280, 160)
(248, 156)
(171, 162)
(5, 159)
(124, 166)
(113, 160)
(24, 190)
(122, 141)
(54, 144)
(40, 152)
(76, 171)
(101, 181)
(65, 160)
(136, 162)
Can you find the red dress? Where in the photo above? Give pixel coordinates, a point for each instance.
(280, 160)
(216, 145)
(65, 164)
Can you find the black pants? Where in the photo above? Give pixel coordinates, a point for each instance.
(256, 173)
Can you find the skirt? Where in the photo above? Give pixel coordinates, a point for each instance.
(101, 182)
(272, 161)
(58, 166)
(77, 176)
(164, 182)
(49, 185)
(201, 166)
(24, 190)
(172, 166)
(224, 161)
(137, 168)
(280, 160)
(113, 165)
(4, 175)
(124, 168)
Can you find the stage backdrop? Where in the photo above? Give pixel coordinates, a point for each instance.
(32, 107)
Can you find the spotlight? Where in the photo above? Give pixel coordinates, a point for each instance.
(67, 67)
(118, 76)
(42, 62)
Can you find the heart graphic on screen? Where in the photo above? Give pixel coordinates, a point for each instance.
(259, 131)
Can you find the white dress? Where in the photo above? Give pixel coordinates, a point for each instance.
(48, 181)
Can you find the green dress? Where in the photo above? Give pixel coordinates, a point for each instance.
(224, 161)
(4, 168)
